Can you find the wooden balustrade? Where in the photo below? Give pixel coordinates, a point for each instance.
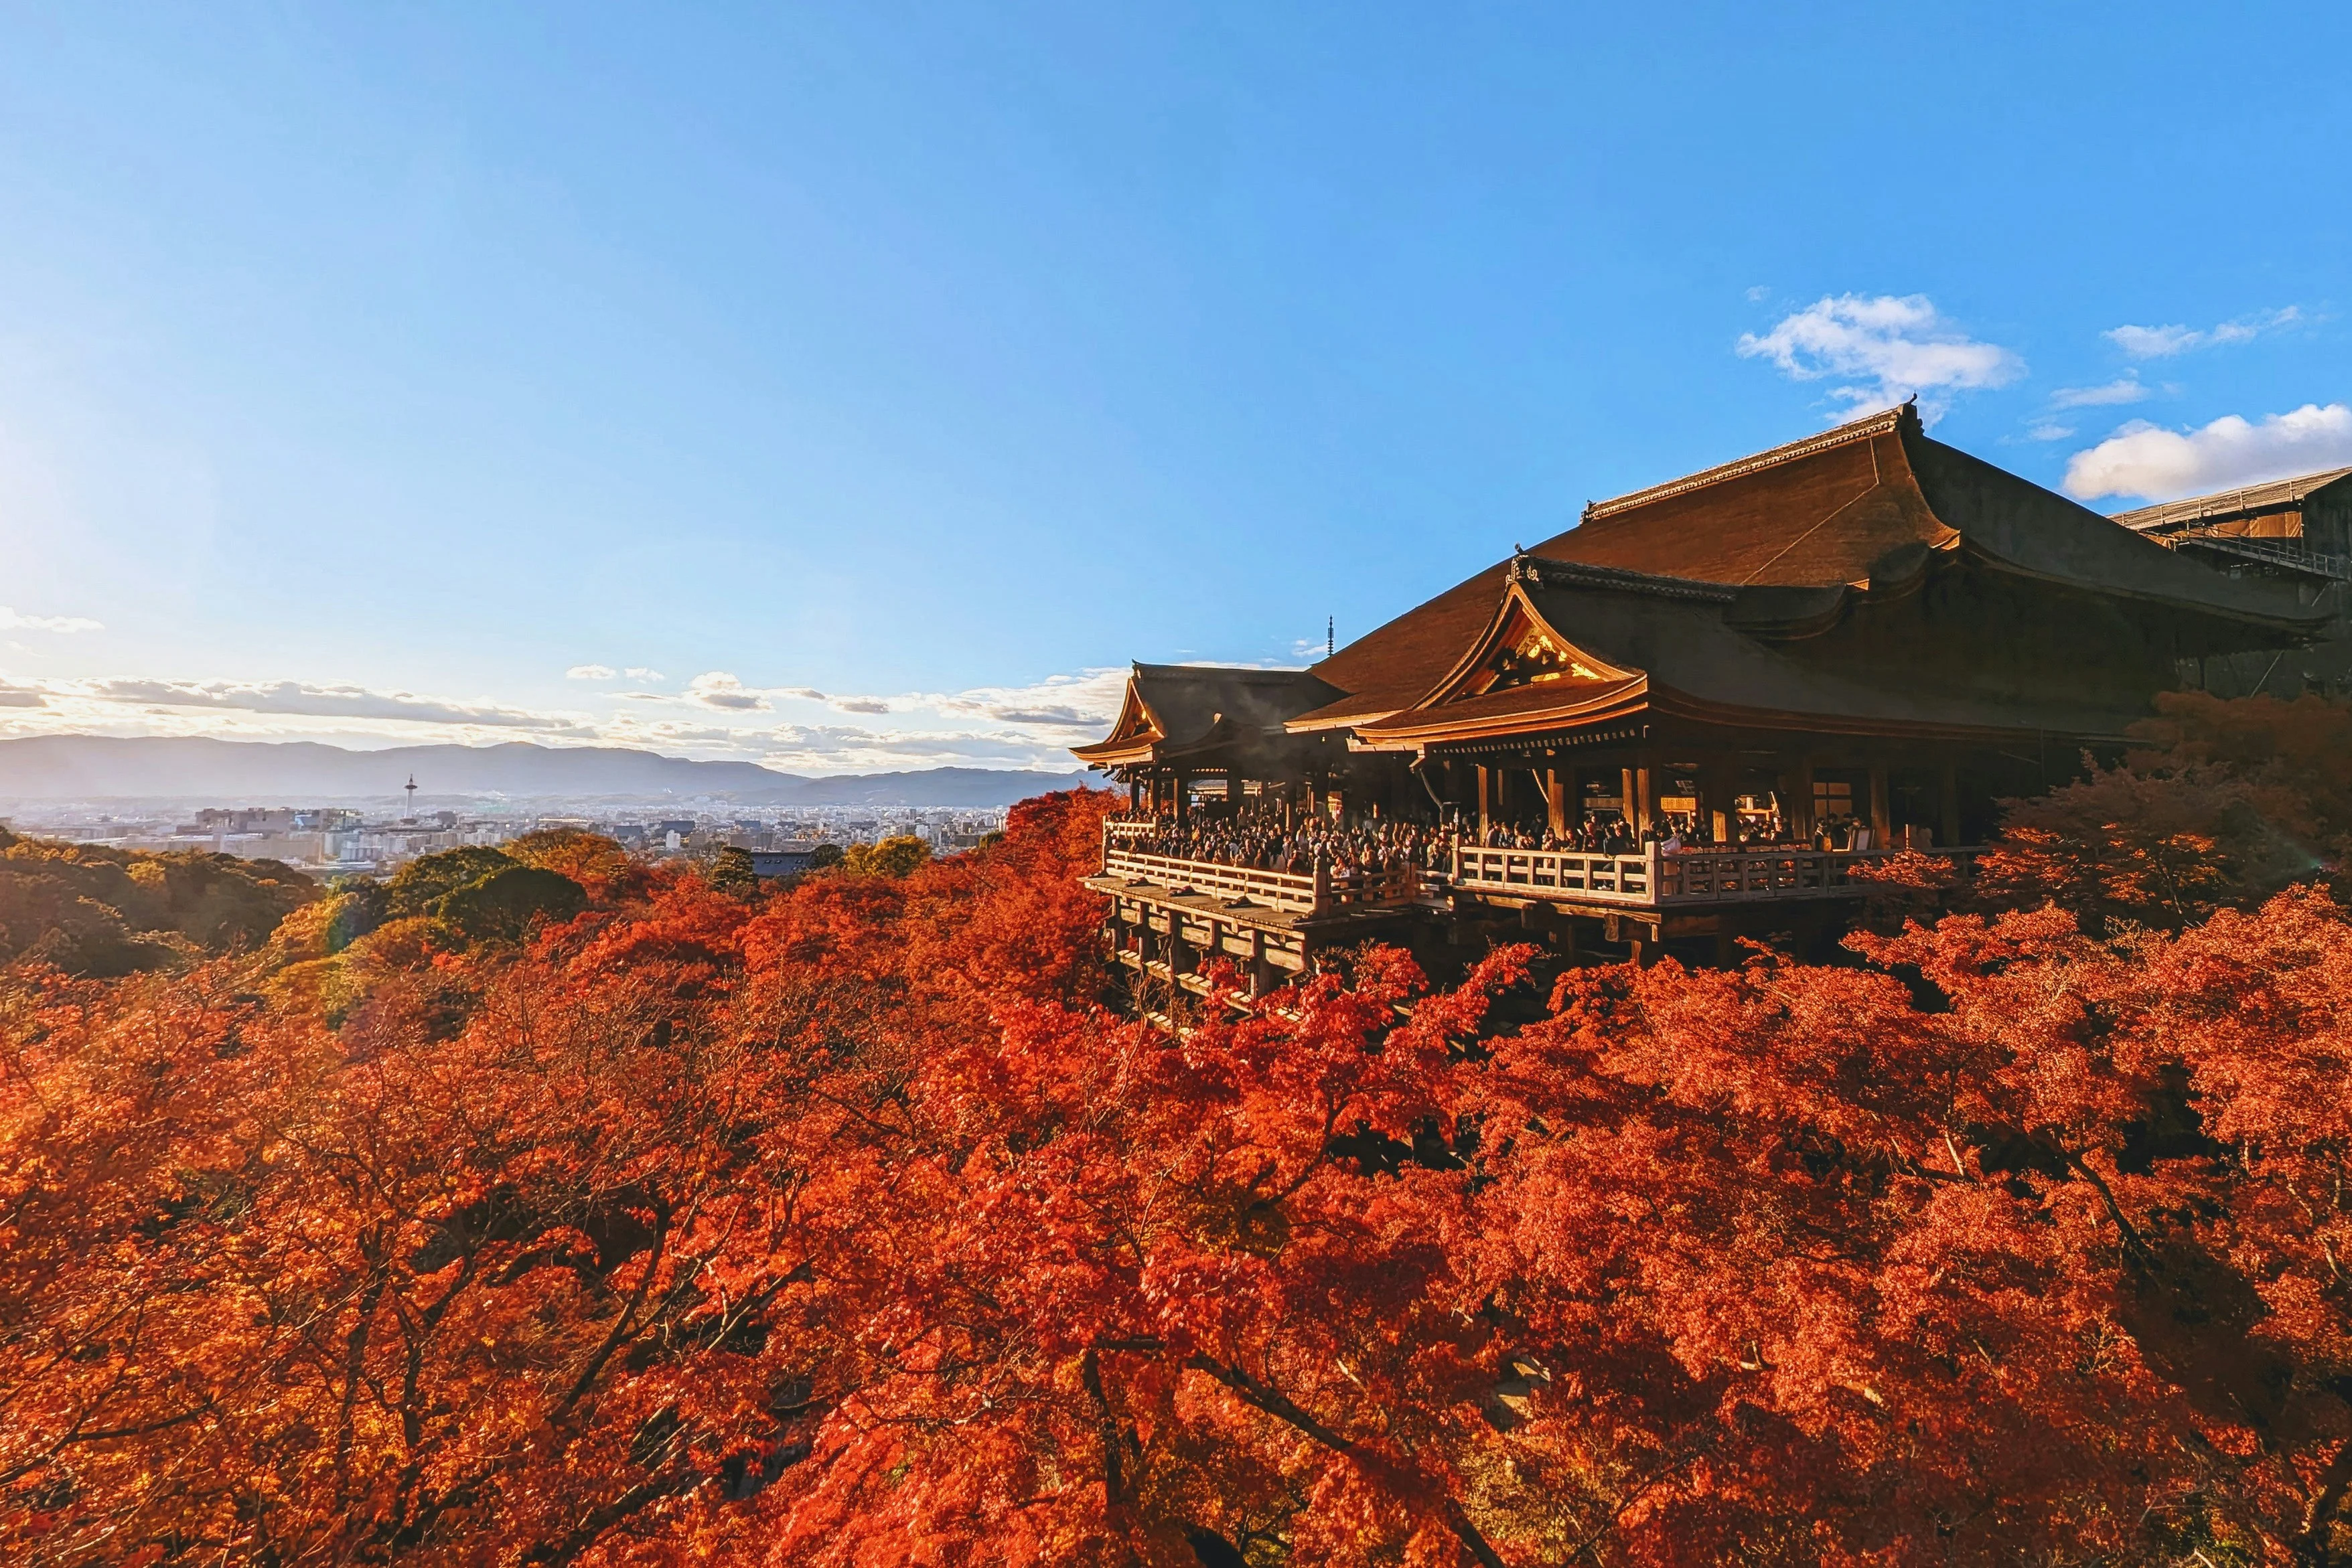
(1650, 880)
(1655, 880)
(1323, 893)
(1629, 880)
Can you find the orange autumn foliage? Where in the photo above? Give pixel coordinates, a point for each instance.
(845, 1224)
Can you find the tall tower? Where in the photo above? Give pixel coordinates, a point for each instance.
(411, 787)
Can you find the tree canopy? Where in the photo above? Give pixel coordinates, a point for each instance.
(845, 1224)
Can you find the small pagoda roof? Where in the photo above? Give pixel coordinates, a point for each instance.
(1818, 514)
(1202, 713)
(2224, 505)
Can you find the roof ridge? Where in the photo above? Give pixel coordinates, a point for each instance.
(2288, 488)
(1545, 571)
(1241, 671)
(1877, 424)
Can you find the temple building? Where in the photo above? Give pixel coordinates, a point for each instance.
(2294, 532)
(1683, 717)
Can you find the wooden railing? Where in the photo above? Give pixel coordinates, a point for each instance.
(1654, 880)
(1322, 892)
(1629, 880)
(1128, 830)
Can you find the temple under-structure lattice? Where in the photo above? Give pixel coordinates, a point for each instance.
(1684, 721)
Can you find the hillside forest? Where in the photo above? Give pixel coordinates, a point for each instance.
(541, 1206)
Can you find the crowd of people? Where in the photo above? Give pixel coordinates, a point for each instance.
(1265, 838)
(1259, 838)
(1675, 832)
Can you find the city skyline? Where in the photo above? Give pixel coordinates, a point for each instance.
(858, 391)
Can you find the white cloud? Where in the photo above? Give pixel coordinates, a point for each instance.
(718, 716)
(589, 672)
(639, 672)
(1895, 346)
(303, 697)
(12, 621)
(718, 689)
(2048, 431)
(2163, 342)
(2125, 389)
(1059, 702)
(2143, 459)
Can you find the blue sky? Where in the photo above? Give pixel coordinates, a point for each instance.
(854, 387)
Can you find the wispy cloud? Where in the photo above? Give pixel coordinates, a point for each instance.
(2122, 389)
(1060, 702)
(2147, 460)
(589, 672)
(2049, 431)
(1893, 346)
(2163, 342)
(312, 700)
(639, 672)
(12, 621)
(718, 714)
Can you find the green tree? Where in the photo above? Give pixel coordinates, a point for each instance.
(730, 871)
(501, 906)
(417, 884)
(896, 856)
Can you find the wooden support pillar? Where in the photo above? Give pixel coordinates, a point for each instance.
(1555, 802)
(1645, 785)
(1233, 789)
(1183, 803)
(1135, 797)
(1629, 795)
(1797, 799)
(1948, 802)
(1881, 821)
(1485, 800)
(1719, 781)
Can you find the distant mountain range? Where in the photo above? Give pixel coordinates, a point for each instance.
(157, 767)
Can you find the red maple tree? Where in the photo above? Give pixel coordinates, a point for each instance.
(845, 1224)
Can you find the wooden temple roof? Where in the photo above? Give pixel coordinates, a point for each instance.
(1866, 579)
(1622, 643)
(1205, 714)
(1811, 518)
